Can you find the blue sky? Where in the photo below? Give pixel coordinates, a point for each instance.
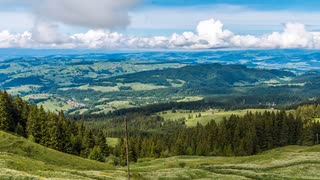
(304, 5)
(151, 11)
(264, 16)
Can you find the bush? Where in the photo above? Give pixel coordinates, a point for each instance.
(116, 161)
(125, 88)
(182, 164)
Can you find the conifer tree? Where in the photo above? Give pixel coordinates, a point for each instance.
(6, 119)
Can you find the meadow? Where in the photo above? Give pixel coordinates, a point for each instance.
(23, 159)
(203, 117)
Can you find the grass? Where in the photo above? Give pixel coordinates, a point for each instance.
(190, 99)
(113, 105)
(292, 162)
(135, 86)
(192, 118)
(80, 111)
(141, 86)
(112, 141)
(95, 88)
(173, 84)
(23, 89)
(55, 105)
(22, 159)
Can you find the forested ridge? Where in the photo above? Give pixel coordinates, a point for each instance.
(152, 136)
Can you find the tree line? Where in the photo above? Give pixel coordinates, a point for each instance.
(50, 129)
(234, 136)
(152, 136)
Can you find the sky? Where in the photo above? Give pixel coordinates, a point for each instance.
(159, 24)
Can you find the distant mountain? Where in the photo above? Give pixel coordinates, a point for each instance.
(293, 59)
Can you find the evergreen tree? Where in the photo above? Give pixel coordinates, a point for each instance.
(96, 154)
(6, 119)
(102, 143)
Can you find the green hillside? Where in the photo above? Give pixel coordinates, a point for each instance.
(94, 85)
(22, 159)
(291, 162)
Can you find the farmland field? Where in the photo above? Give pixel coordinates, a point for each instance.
(94, 81)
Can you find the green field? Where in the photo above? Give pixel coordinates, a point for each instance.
(22, 159)
(23, 89)
(193, 117)
(190, 99)
(94, 80)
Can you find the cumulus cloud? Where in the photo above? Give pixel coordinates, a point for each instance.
(47, 33)
(212, 31)
(294, 35)
(8, 40)
(208, 34)
(86, 13)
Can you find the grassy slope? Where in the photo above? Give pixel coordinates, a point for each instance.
(21, 159)
(292, 162)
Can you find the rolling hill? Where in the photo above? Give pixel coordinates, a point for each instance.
(22, 159)
(100, 83)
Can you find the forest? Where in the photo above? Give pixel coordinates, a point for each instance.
(152, 136)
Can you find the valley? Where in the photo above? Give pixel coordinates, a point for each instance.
(62, 116)
(103, 83)
(159, 90)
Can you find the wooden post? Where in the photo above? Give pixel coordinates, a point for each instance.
(127, 147)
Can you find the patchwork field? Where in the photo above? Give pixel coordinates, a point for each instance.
(94, 81)
(22, 159)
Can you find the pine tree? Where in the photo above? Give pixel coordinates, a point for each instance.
(308, 136)
(101, 141)
(284, 133)
(19, 130)
(33, 127)
(87, 143)
(6, 119)
(96, 154)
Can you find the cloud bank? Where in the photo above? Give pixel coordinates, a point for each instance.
(208, 34)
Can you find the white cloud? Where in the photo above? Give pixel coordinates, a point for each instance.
(212, 31)
(86, 13)
(294, 35)
(8, 40)
(46, 33)
(209, 34)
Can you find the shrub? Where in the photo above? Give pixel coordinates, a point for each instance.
(182, 164)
